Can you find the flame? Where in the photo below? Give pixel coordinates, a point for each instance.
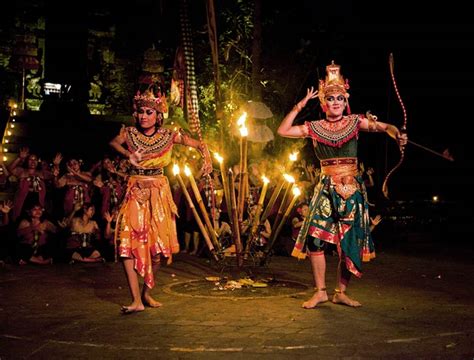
(244, 131)
(265, 179)
(289, 178)
(241, 120)
(219, 158)
(293, 156)
(187, 170)
(296, 191)
(175, 169)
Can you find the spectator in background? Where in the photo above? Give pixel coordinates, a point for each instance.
(32, 179)
(77, 184)
(84, 236)
(35, 237)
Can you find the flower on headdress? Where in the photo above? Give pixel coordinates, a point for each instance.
(151, 97)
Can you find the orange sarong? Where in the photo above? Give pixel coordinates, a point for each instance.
(146, 223)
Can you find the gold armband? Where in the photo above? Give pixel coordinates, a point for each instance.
(372, 126)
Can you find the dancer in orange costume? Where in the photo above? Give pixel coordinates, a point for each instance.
(146, 228)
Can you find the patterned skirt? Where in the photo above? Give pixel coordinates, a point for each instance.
(340, 218)
(146, 224)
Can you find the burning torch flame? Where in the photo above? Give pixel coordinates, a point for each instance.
(187, 171)
(289, 178)
(175, 169)
(296, 191)
(293, 156)
(219, 158)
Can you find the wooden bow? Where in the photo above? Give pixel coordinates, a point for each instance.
(403, 128)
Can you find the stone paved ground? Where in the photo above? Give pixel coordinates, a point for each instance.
(413, 308)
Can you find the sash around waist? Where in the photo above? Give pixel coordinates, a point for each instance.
(146, 172)
(339, 166)
(339, 161)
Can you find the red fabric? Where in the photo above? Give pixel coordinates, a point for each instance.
(22, 193)
(69, 198)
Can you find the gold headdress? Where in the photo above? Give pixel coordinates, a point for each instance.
(151, 97)
(333, 84)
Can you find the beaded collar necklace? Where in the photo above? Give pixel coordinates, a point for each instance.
(151, 135)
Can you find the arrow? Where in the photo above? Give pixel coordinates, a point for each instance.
(445, 155)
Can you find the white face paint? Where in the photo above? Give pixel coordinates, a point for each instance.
(335, 104)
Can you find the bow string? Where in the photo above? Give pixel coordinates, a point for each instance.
(403, 128)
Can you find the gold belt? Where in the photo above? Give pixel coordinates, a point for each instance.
(146, 172)
(339, 161)
(339, 167)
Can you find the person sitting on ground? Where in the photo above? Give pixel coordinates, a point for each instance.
(222, 229)
(259, 239)
(84, 235)
(297, 222)
(34, 235)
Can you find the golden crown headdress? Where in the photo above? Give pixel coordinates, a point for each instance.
(151, 97)
(334, 83)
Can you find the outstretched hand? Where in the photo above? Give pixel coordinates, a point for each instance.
(400, 137)
(24, 152)
(310, 94)
(376, 220)
(6, 206)
(57, 159)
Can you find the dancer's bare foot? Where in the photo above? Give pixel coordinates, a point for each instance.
(149, 301)
(132, 308)
(319, 297)
(340, 297)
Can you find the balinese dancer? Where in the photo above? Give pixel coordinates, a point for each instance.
(146, 228)
(338, 211)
